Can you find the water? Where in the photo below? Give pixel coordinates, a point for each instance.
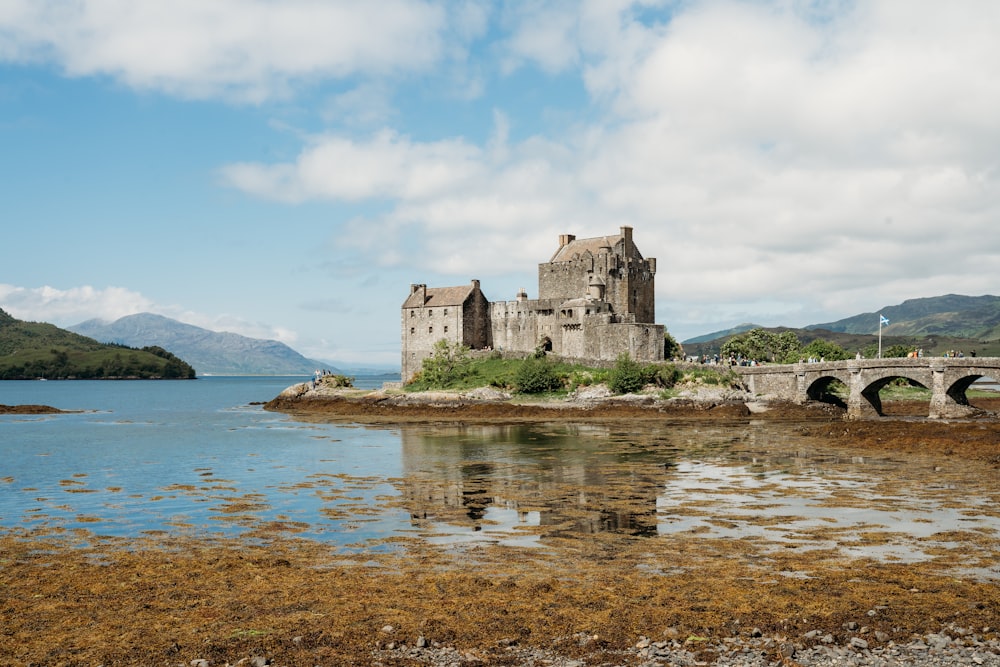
(203, 458)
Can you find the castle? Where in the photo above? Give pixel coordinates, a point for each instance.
(595, 301)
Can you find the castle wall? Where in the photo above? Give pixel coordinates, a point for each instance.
(523, 325)
(643, 342)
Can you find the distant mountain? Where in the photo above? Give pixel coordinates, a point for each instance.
(30, 350)
(974, 317)
(210, 352)
(738, 329)
(936, 324)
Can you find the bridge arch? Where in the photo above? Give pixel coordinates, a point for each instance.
(871, 392)
(948, 379)
(822, 389)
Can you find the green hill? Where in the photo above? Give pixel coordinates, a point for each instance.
(972, 317)
(31, 350)
(936, 324)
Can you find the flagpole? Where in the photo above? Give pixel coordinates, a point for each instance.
(881, 320)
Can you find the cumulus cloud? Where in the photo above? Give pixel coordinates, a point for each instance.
(248, 50)
(386, 166)
(758, 149)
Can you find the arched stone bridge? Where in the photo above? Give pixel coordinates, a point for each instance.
(947, 378)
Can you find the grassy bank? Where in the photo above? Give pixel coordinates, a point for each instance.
(453, 369)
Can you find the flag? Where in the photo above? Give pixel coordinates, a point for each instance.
(882, 320)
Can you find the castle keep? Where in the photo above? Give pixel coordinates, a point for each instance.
(595, 301)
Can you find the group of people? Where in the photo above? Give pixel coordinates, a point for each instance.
(319, 374)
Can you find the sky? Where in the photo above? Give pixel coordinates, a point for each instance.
(286, 170)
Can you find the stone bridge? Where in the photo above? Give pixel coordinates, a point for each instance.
(947, 378)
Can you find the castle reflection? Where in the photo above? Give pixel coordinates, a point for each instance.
(565, 479)
(539, 481)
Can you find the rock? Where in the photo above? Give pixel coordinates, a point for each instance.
(859, 643)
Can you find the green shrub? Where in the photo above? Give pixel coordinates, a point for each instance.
(337, 381)
(662, 375)
(537, 375)
(627, 376)
(448, 364)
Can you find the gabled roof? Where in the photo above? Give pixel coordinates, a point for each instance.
(440, 296)
(593, 246)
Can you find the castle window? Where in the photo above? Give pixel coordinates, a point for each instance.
(430, 313)
(446, 329)
(430, 329)
(413, 313)
(413, 330)
(445, 313)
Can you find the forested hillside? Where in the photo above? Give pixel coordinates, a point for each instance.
(33, 350)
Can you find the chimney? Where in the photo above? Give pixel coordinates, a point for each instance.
(627, 237)
(475, 284)
(566, 239)
(421, 289)
(522, 294)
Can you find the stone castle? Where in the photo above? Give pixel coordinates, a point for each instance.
(595, 301)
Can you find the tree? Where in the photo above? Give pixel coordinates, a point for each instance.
(448, 363)
(671, 348)
(823, 349)
(762, 345)
(897, 351)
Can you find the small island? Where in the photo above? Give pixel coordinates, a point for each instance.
(30, 410)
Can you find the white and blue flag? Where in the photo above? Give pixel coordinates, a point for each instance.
(883, 320)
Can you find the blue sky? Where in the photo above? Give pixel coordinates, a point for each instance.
(286, 170)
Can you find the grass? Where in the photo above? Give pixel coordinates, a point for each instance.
(502, 373)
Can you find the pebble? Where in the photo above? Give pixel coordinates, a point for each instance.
(952, 647)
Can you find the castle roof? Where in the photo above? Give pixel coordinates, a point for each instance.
(434, 297)
(593, 246)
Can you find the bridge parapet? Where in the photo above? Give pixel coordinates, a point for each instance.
(947, 378)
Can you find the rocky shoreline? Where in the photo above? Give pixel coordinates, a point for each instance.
(592, 403)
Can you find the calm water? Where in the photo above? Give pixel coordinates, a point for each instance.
(201, 458)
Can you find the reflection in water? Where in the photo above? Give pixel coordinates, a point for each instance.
(565, 478)
(210, 467)
(760, 481)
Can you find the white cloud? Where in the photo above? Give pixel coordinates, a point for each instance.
(244, 49)
(68, 307)
(388, 165)
(761, 154)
